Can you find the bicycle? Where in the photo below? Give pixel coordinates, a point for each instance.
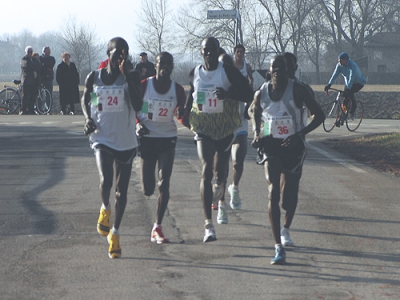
(10, 99)
(337, 113)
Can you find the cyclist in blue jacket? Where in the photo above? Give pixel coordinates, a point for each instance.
(353, 78)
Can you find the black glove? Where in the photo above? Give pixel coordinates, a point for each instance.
(89, 126)
(220, 93)
(141, 130)
(256, 143)
(327, 87)
(293, 140)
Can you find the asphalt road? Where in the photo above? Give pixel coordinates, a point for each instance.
(346, 228)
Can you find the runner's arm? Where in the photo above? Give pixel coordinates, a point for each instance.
(303, 94)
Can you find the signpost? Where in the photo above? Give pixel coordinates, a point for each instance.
(222, 14)
(226, 14)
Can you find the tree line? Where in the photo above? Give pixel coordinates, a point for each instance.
(314, 30)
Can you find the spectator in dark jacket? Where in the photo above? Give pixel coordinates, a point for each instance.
(67, 77)
(29, 74)
(47, 74)
(39, 68)
(145, 67)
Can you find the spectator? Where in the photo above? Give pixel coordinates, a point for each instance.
(47, 74)
(29, 74)
(67, 77)
(145, 67)
(38, 67)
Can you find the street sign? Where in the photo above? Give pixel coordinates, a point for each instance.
(222, 14)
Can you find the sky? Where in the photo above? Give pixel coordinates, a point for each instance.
(40, 17)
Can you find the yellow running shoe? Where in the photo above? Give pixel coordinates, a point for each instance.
(103, 223)
(114, 251)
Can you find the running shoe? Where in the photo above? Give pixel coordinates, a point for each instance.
(218, 191)
(157, 236)
(222, 217)
(285, 237)
(114, 251)
(235, 203)
(209, 234)
(280, 256)
(103, 223)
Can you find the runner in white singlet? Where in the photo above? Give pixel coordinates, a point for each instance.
(163, 99)
(110, 100)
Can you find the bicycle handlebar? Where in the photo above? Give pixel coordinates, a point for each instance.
(333, 89)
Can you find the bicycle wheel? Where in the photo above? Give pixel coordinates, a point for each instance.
(44, 102)
(10, 101)
(352, 123)
(331, 116)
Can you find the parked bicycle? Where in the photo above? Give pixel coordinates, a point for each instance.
(10, 99)
(338, 112)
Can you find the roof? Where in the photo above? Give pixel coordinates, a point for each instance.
(384, 39)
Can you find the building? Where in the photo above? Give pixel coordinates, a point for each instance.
(383, 54)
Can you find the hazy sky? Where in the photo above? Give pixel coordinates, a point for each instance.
(108, 18)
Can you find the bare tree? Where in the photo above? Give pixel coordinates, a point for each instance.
(257, 36)
(314, 39)
(353, 21)
(153, 28)
(287, 18)
(82, 42)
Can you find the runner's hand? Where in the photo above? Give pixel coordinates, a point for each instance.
(292, 140)
(256, 143)
(220, 93)
(89, 127)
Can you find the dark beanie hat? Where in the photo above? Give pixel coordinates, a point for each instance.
(344, 56)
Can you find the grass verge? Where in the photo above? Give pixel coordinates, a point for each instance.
(378, 151)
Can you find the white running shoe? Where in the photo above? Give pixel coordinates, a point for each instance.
(285, 237)
(222, 217)
(235, 203)
(218, 191)
(209, 234)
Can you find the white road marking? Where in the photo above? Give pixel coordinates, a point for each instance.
(336, 159)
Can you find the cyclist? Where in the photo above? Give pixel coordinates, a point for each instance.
(353, 78)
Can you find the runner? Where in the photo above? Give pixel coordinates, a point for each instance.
(162, 99)
(110, 99)
(212, 113)
(279, 104)
(239, 147)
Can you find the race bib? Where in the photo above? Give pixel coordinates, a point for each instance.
(208, 102)
(161, 110)
(110, 99)
(279, 127)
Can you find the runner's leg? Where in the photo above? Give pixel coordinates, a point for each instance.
(165, 164)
